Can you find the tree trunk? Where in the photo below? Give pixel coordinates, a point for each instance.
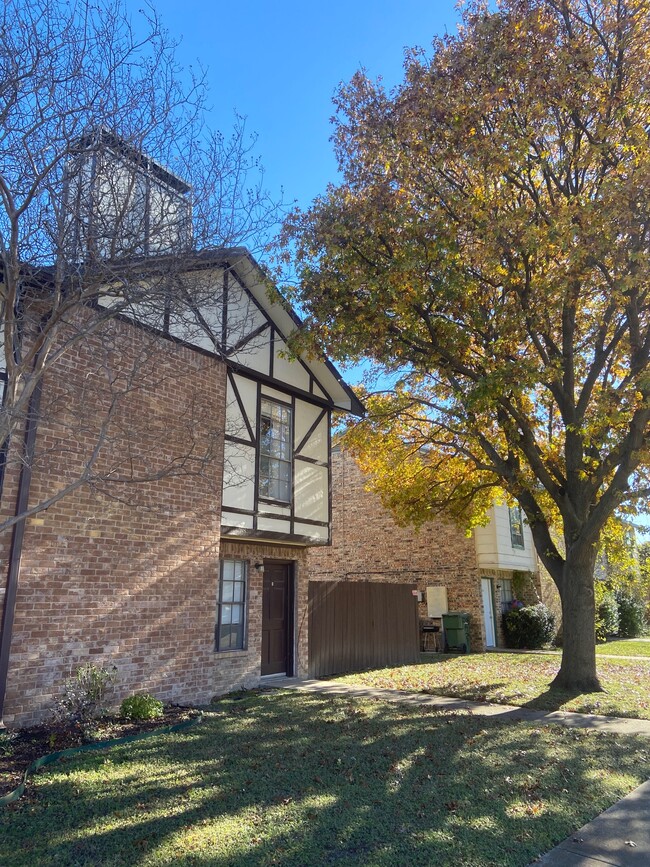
(578, 670)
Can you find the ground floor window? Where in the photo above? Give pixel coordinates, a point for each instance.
(230, 631)
(506, 593)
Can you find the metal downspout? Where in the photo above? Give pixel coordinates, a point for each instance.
(18, 535)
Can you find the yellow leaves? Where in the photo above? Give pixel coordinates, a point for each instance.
(500, 191)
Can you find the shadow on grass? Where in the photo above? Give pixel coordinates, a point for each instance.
(299, 779)
(552, 699)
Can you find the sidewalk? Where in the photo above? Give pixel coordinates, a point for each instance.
(619, 837)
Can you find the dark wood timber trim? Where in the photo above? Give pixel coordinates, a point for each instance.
(255, 535)
(305, 439)
(240, 404)
(247, 338)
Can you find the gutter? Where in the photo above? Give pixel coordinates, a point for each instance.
(18, 535)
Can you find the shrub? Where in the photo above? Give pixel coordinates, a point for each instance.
(6, 743)
(531, 627)
(631, 615)
(606, 613)
(139, 707)
(84, 694)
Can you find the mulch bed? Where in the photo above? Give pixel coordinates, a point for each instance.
(20, 747)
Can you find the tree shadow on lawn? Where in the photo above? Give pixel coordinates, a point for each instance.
(306, 779)
(553, 698)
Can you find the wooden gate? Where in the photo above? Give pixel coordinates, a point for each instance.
(361, 624)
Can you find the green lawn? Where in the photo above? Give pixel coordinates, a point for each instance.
(624, 647)
(520, 679)
(301, 779)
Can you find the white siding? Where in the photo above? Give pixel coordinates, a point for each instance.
(256, 353)
(306, 415)
(317, 534)
(206, 291)
(316, 445)
(235, 420)
(239, 476)
(311, 492)
(244, 316)
(288, 369)
(486, 543)
(274, 394)
(274, 525)
(230, 519)
(319, 392)
(310, 482)
(494, 546)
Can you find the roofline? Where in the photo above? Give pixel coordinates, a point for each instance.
(103, 136)
(226, 257)
(356, 406)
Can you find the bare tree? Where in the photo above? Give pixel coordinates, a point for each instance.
(90, 222)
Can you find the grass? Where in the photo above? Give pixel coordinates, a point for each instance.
(296, 779)
(624, 647)
(520, 679)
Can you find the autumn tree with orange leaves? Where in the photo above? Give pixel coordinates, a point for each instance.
(488, 248)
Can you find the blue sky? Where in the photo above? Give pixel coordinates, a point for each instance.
(279, 64)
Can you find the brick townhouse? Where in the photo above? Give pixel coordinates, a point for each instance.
(196, 450)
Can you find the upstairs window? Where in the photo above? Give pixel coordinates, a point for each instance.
(275, 451)
(231, 606)
(516, 527)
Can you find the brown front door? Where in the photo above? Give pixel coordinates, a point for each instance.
(276, 598)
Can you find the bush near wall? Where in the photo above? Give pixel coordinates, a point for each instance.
(607, 618)
(530, 627)
(631, 615)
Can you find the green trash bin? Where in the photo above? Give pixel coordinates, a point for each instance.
(456, 626)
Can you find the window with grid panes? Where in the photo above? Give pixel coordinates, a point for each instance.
(275, 451)
(231, 606)
(506, 593)
(516, 527)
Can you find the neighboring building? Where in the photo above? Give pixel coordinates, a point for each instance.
(479, 574)
(194, 581)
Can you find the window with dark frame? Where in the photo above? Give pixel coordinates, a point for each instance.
(506, 593)
(516, 527)
(275, 451)
(230, 631)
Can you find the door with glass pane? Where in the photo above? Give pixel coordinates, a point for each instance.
(488, 612)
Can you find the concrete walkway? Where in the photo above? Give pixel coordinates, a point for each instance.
(619, 837)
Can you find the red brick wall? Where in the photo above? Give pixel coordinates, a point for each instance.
(120, 572)
(367, 544)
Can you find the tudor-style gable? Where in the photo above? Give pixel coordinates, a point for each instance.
(278, 406)
(276, 464)
(278, 411)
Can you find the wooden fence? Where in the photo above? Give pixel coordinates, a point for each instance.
(361, 624)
